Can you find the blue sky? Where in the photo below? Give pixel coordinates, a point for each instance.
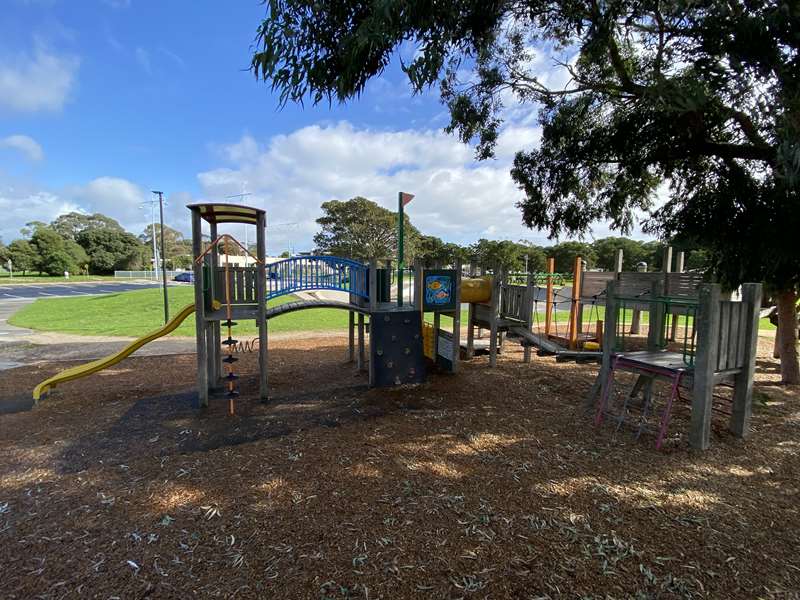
(104, 100)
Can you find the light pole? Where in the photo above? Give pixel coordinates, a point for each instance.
(163, 254)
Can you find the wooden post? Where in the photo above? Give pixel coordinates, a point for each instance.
(528, 312)
(373, 285)
(457, 319)
(497, 283)
(470, 331)
(548, 318)
(609, 334)
(200, 312)
(656, 312)
(417, 297)
(361, 345)
(351, 341)
(673, 334)
(667, 260)
(389, 277)
(373, 304)
(213, 333)
(743, 381)
(261, 296)
(679, 262)
(707, 325)
(576, 304)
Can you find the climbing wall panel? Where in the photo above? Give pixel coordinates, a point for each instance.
(396, 348)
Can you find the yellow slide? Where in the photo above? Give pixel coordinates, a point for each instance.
(108, 361)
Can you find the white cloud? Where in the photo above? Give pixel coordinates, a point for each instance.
(456, 198)
(24, 144)
(115, 197)
(291, 175)
(20, 204)
(41, 81)
(125, 201)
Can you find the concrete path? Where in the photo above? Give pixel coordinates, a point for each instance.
(20, 346)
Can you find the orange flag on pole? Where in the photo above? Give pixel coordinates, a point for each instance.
(406, 198)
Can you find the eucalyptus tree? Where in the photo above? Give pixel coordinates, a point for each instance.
(685, 111)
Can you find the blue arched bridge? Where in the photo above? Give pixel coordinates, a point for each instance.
(303, 273)
(296, 274)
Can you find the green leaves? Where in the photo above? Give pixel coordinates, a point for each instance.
(700, 100)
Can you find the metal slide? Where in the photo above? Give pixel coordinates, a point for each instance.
(108, 361)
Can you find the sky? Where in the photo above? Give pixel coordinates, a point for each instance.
(102, 101)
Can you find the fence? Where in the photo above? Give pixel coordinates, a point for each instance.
(154, 275)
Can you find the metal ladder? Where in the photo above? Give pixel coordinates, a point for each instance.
(643, 386)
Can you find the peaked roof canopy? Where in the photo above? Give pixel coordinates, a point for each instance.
(227, 213)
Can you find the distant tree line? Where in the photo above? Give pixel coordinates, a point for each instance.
(90, 244)
(357, 228)
(361, 229)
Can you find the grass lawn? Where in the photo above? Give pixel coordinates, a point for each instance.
(6, 279)
(139, 312)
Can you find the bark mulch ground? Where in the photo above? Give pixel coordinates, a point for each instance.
(489, 484)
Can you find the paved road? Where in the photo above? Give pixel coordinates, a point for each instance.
(50, 290)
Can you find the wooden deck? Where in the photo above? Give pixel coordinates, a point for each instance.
(672, 361)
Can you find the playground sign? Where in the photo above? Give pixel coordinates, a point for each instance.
(439, 290)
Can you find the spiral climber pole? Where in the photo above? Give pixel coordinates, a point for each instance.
(230, 343)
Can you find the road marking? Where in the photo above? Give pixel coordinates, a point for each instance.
(46, 294)
(12, 296)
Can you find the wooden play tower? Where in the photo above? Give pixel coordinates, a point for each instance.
(245, 288)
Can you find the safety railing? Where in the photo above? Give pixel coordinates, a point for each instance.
(682, 311)
(303, 273)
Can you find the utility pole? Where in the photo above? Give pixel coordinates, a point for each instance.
(163, 254)
(153, 238)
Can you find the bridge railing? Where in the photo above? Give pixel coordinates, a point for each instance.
(302, 273)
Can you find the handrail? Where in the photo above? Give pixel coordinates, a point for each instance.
(300, 273)
(668, 302)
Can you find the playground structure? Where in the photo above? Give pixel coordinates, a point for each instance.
(717, 348)
(226, 294)
(566, 322)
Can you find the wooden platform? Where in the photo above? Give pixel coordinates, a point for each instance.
(661, 359)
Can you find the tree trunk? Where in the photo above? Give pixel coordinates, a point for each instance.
(787, 332)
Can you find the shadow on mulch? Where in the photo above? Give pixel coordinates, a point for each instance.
(768, 366)
(170, 424)
(15, 404)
